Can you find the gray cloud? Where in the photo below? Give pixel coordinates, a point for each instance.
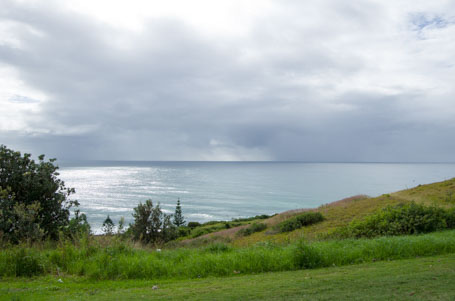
(312, 82)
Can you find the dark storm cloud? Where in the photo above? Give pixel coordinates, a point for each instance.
(169, 92)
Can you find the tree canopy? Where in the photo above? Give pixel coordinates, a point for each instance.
(32, 197)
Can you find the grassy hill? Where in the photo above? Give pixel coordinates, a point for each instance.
(264, 265)
(338, 214)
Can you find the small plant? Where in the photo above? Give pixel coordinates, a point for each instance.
(256, 227)
(108, 226)
(121, 226)
(299, 221)
(306, 256)
(193, 225)
(247, 219)
(78, 226)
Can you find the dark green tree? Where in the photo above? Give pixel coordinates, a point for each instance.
(151, 225)
(179, 219)
(108, 226)
(34, 189)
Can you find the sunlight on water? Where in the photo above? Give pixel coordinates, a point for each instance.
(221, 191)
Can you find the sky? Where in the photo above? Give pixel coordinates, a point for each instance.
(316, 81)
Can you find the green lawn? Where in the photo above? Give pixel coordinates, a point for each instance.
(429, 278)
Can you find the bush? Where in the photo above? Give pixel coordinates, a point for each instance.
(199, 232)
(151, 225)
(403, 219)
(193, 225)
(306, 257)
(183, 231)
(77, 227)
(28, 186)
(247, 219)
(255, 227)
(108, 226)
(299, 221)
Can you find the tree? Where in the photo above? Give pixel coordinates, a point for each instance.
(35, 189)
(77, 226)
(151, 225)
(108, 226)
(121, 226)
(178, 216)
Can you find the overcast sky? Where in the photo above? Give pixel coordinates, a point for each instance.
(229, 80)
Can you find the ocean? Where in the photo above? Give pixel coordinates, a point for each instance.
(227, 190)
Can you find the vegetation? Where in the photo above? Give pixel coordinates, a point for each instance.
(402, 219)
(249, 219)
(151, 225)
(357, 230)
(108, 226)
(193, 225)
(253, 228)
(34, 203)
(179, 219)
(429, 278)
(299, 221)
(78, 227)
(123, 261)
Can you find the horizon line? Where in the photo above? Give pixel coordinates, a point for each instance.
(253, 161)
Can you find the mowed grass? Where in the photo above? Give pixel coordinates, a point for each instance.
(431, 278)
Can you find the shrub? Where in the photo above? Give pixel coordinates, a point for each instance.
(247, 219)
(193, 225)
(77, 227)
(23, 181)
(183, 231)
(199, 232)
(151, 225)
(108, 226)
(299, 221)
(255, 227)
(306, 256)
(403, 219)
(27, 263)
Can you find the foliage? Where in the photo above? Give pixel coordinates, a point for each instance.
(255, 227)
(77, 227)
(211, 227)
(21, 222)
(299, 221)
(108, 226)
(248, 219)
(28, 186)
(121, 226)
(151, 225)
(121, 261)
(428, 278)
(183, 231)
(179, 219)
(193, 225)
(306, 257)
(402, 219)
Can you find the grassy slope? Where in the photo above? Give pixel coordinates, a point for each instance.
(431, 278)
(342, 212)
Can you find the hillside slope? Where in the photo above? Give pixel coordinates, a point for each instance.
(341, 213)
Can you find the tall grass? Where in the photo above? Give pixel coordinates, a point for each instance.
(121, 261)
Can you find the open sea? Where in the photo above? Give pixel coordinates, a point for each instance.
(226, 190)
